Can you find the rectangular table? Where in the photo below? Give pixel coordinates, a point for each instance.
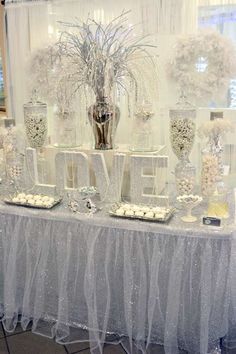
(140, 281)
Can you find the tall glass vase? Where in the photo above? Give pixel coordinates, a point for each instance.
(35, 119)
(142, 132)
(182, 131)
(104, 117)
(182, 136)
(66, 135)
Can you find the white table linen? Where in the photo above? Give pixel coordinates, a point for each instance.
(145, 282)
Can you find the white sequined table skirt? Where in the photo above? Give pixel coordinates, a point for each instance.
(104, 279)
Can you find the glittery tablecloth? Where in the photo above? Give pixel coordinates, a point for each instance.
(100, 278)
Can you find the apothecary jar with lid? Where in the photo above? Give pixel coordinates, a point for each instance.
(35, 119)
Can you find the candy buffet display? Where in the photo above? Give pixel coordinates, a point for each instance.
(35, 119)
(142, 212)
(33, 200)
(189, 202)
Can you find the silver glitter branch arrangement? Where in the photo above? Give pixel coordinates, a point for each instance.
(102, 56)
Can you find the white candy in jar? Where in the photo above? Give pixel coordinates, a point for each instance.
(185, 185)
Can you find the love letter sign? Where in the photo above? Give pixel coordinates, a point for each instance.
(143, 170)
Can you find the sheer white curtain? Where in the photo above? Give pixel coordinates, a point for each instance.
(32, 24)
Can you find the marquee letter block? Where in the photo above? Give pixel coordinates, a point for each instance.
(72, 170)
(144, 171)
(109, 187)
(33, 175)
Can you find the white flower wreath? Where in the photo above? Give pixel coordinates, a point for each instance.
(203, 64)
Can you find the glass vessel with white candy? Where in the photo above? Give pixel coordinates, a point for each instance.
(182, 135)
(185, 177)
(182, 128)
(35, 119)
(209, 172)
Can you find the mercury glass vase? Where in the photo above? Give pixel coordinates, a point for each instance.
(35, 119)
(104, 117)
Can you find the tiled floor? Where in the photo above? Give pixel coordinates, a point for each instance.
(25, 342)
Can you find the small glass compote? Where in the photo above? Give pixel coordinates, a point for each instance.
(189, 202)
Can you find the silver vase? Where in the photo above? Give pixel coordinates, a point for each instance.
(104, 118)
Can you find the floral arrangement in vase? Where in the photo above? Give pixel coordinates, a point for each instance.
(212, 159)
(96, 59)
(102, 58)
(214, 131)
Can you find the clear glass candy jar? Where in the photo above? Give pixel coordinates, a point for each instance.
(218, 205)
(35, 119)
(185, 177)
(209, 172)
(66, 129)
(142, 137)
(182, 129)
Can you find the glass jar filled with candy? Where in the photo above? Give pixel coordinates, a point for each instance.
(185, 177)
(209, 172)
(218, 205)
(182, 128)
